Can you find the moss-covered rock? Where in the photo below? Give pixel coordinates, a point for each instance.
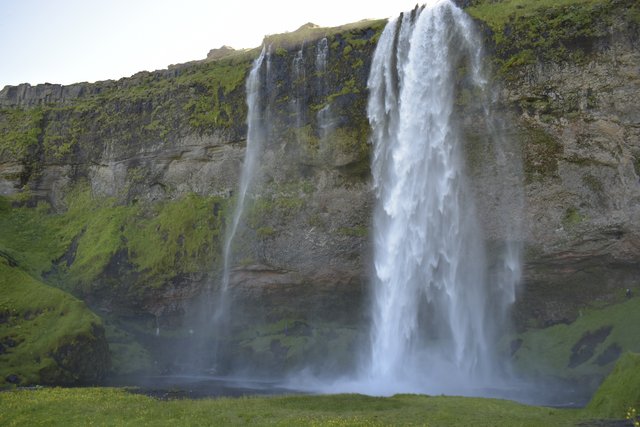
(46, 335)
(583, 351)
(526, 32)
(122, 253)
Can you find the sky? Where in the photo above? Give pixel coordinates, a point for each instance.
(68, 41)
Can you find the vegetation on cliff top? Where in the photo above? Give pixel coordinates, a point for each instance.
(311, 32)
(148, 107)
(526, 31)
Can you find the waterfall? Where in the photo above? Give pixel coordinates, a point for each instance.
(434, 311)
(324, 115)
(299, 84)
(255, 141)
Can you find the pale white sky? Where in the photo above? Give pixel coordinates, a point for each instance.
(67, 41)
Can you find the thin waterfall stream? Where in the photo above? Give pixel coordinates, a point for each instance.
(255, 137)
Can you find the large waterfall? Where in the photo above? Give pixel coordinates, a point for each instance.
(434, 309)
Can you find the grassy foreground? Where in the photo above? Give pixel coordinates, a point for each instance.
(108, 406)
(113, 406)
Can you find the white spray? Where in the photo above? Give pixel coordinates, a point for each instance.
(433, 319)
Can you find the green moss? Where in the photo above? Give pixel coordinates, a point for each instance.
(547, 30)
(348, 87)
(158, 241)
(620, 390)
(187, 231)
(266, 231)
(572, 217)
(549, 351)
(36, 238)
(27, 238)
(37, 321)
(19, 131)
(357, 231)
(148, 107)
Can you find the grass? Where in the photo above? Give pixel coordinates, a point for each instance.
(36, 321)
(112, 406)
(70, 407)
(620, 390)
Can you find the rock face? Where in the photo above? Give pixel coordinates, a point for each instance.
(153, 146)
(578, 123)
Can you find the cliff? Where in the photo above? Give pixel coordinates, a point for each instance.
(120, 191)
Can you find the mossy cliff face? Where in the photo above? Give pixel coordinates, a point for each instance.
(568, 80)
(47, 336)
(569, 75)
(120, 191)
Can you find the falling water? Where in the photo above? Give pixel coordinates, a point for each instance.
(324, 115)
(299, 82)
(255, 136)
(434, 314)
(322, 53)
